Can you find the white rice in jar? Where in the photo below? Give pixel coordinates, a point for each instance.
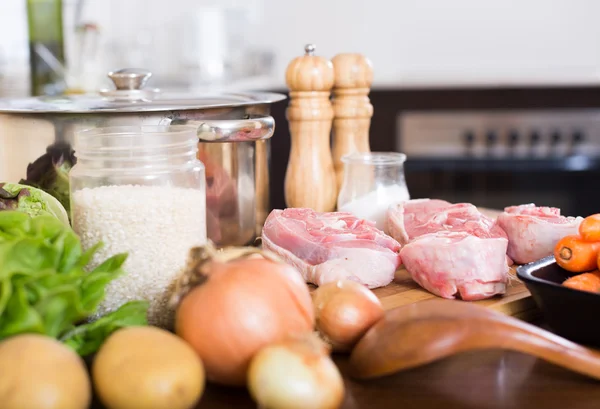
(156, 225)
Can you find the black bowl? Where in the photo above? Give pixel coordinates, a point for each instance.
(570, 313)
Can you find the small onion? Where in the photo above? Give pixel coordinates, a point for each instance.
(238, 306)
(344, 311)
(295, 374)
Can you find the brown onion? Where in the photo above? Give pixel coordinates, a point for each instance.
(295, 374)
(238, 306)
(344, 311)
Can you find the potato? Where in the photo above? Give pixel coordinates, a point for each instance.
(38, 372)
(147, 368)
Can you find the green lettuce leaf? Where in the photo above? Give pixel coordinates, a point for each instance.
(50, 172)
(86, 339)
(31, 200)
(44, 285)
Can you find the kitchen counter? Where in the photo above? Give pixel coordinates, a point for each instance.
(478, 380)
(482, 380)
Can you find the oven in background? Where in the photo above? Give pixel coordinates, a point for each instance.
(499, 158)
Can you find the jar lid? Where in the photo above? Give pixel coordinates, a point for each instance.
(130, 95)
(374, 158)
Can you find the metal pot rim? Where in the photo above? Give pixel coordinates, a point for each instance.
(77, 104)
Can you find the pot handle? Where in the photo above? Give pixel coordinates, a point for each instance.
(251, 128)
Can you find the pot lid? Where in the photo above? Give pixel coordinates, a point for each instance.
(130, 95)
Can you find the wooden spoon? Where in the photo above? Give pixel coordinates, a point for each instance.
(421, 333)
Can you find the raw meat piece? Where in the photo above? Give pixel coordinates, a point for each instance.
(403, 216)
(327, 247)
(449, 264)
(414, 218)
(451, 249)
(534, 231)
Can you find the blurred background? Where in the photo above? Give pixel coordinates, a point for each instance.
(495, 102)
(411, 42)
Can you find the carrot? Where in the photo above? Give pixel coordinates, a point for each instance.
(589, 229)
(585, 282)
(577, 255)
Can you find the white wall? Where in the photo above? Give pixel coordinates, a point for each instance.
(449, 41)
(13, 48)
(411, 42)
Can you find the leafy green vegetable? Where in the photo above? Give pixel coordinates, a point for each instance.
(50, 172)
(44, 287)
(87, 338)
(31, 200)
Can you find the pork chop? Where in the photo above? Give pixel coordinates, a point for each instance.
(534, 231)
(451, 249)
(451, 264)
(332, 246)
(414, 218)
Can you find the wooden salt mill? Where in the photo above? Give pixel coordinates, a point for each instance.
(352, 108)
(310, 178)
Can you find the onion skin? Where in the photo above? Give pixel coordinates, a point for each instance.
(345, 310)
(295, 374)
(241, 306)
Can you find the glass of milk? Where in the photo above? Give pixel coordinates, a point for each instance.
(372, 182)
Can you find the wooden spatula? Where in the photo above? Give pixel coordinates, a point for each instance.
(424, 332)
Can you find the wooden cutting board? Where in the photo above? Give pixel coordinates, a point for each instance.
(517, 301)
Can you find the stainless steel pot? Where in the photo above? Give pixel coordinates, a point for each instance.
(233, 131)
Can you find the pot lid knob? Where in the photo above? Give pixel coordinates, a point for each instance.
(130, 78)
(352, 71)
(309, 72)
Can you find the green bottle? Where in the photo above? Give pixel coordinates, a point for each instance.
(46, 47)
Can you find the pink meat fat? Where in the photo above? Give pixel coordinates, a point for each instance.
(418, 217)
(332, 246)
(311, 235)
(534, 231)
(458, 264)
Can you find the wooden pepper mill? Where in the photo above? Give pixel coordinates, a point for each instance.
(352, 108)
(310, 178)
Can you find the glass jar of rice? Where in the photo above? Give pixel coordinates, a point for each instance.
(140, 190)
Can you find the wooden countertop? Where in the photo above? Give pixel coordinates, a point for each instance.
(475, 380)
(478, 380)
